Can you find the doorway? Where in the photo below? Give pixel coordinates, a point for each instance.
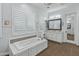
(69, 27)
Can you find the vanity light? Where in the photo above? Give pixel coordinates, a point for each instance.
(55, 17)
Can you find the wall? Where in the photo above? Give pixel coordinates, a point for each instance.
(42, 16)
(5, 14)
(23, 19)
(1, 36)
(6, 9)
(56, 35)
(63, 12)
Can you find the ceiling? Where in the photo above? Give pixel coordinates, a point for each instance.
(48, 6)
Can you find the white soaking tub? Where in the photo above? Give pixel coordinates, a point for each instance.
(28, 47)
(25, 43)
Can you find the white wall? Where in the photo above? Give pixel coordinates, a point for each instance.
(63, 12)
(23, 19)
(42, 16)
(1, 38)
(39, 17)
(5, 13)
(6, 9)
(72, 18)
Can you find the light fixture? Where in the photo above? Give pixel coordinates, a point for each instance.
(48, 5)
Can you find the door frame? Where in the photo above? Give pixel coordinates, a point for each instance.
(65, 28)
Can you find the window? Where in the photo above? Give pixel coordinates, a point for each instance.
(22, 21)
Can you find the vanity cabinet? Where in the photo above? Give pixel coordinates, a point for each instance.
(54, 36)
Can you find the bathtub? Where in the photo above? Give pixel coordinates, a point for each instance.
(26, 43)
(28, 47)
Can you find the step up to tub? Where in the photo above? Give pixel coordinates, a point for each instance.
(30, 47)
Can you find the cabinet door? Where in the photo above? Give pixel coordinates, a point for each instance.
(54, 37)
(59, 37)
(51, 36)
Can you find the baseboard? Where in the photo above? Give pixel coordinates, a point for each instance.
(55, 42)
(4, 54)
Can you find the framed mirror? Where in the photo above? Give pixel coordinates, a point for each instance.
(55, 24)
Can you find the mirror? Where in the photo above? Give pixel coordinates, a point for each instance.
(55, 24)
(70, 27)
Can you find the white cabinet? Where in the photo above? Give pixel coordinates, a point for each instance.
(59, 37)
(54, 36)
